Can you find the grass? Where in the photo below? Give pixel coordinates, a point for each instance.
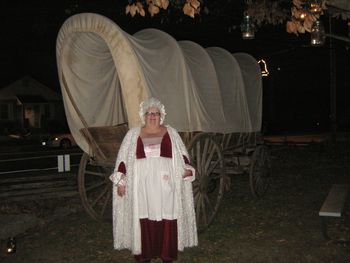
(282, 226)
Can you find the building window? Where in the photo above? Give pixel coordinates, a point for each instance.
(4, 112)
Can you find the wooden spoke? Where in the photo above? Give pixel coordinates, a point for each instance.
(95, 188)
(226, 140)
(198, 160)
(259, 173)
(210, 206)
(207, 158)
(205, 212)
(107, 201)
(195, 186)
(95, 173)
(213, 166)
(204, 153)
(93, 203)
(197, 207)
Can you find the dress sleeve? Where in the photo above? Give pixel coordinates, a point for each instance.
(186, 159)
(121, 168)
(183, 152)
(191, 175)
(118, 176)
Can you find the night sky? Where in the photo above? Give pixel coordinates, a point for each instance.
(296, 94)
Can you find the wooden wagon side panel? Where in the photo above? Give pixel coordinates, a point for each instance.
(105, 142)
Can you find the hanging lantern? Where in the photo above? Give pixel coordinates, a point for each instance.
(315, 7)
(11, 245)
(318, 34)
(247, 28)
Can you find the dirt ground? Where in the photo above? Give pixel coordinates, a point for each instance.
(282, 226)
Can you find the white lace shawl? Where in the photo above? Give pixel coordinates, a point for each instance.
(126, 226)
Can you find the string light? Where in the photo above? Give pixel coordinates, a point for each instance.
(263, 66)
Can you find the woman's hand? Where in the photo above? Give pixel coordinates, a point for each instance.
(187, 173)
(121, 190)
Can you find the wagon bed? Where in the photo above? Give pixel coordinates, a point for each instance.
(296, 139)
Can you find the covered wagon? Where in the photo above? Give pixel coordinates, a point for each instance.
(213, 98)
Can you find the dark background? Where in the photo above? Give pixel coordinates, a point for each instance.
(296, 94)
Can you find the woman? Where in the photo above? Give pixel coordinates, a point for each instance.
(153, 211)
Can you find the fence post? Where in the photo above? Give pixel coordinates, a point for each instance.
(63, 163)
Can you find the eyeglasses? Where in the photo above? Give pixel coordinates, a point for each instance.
(152, 114)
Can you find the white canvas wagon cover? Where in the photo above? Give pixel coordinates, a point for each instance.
(105, 74)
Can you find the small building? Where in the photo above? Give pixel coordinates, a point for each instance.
(28, 104)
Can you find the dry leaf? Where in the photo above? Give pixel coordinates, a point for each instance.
(194, 3)
(139, 5)
(291, 27)
(309, 21)
(127, 9)
(295, 12)
(297, 3)
(300, 28)
(133, 10)
(140, 9)
(165, 4)
(157, 3)
(188, 10)
(153, 10)
(142, 12)
(324, 4)
(281, 240)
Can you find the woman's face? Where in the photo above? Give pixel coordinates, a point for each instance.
(152, 116)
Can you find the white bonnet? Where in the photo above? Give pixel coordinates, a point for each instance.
(151, 102)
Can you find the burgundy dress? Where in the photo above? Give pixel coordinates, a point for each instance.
(156, 198)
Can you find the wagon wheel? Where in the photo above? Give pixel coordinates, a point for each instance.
(259, 173)
(208, 188)
(94, 188)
